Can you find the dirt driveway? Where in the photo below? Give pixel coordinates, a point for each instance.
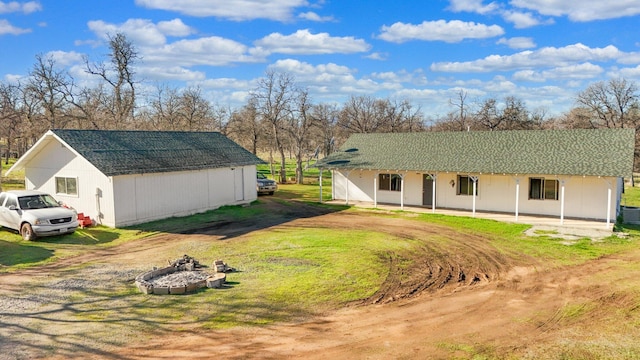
(465, 299)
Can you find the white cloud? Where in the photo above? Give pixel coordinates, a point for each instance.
(141, 32)
(14, 6)
(170, 73)
(175, 27)
(377, 56)
(521, 20)
(211, 50)
(64, 58)
(627, 73)
(475, 6)
(304, 42)
(238, 10)
(545, 57)
(228, 83)
(528, 75)
(7, 28)
(518, 42)
(311, 16)
(321, 73)
(584, 10)
(571, 72)
(448, 31)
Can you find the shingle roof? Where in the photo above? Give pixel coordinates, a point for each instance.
(595, 152)
(138, 152)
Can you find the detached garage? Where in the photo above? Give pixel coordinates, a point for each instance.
(121, 178)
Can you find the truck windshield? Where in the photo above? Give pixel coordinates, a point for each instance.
(37, 202)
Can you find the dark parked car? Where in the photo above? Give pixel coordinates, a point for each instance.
(35, 213)
(266, 186)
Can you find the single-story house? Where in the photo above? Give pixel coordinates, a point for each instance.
(121, 178)
(558, 173)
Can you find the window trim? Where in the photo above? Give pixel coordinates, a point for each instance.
(469, 186)
(66, 180)
(389, 182)
(543, 189)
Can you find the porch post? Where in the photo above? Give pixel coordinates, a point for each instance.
(320, 185)
(346, 197)
(375, 190)
(608, 201)
(517, 197)
(433, 193)
(473, 194)
(401, 191)
(609, 206)
(562, 202)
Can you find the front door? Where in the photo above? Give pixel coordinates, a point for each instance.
(427, 190)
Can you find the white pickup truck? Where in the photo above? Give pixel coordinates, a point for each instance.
(35, 213)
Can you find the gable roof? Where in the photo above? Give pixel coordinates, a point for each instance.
(116, 152)
(593, 152)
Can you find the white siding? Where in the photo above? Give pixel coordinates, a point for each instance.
(147, 197)
(55, 160)
(585, 197)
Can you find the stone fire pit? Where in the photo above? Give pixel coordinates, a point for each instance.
(182, 276)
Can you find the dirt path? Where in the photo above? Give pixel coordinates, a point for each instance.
(516, 313)
(459, 294)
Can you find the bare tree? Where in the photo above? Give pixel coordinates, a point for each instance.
(610, 103)
(164, 109)
(300, 124)
(195, 111)
(119, 75)
(245, 128)
(515, 115)
(359, 115)
(273, 99)
(10, 116)
(487, 117)
(46, 87)
(326, 118)
(458, 118)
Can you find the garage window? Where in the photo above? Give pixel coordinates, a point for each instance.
(543, 189)
(66, 185)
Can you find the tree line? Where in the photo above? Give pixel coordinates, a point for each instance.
(279, 120)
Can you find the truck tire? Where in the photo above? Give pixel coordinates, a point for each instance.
(27, 232)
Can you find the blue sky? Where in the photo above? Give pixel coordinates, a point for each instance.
(425, 51)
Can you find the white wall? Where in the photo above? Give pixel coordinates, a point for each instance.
(585, 197)
(55, 160)
(146, 197)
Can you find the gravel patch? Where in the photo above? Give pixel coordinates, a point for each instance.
(179, 278)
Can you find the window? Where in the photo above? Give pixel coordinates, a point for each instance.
(543, 189)
(390, 182)
(465, 185)
(66, 186)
